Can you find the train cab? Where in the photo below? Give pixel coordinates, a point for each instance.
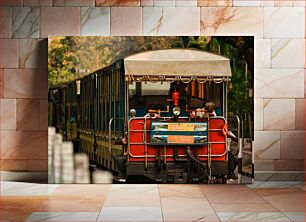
(167, 138)
(159, 114)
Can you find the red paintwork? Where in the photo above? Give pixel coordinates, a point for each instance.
(139, 149)
(176, 98)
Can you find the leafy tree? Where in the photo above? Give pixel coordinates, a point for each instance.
(74, 57)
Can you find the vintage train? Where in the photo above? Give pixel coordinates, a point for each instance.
(133, 117)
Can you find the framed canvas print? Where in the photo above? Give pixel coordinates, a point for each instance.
(135, 109)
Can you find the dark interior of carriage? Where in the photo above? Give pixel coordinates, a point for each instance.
(193, 94)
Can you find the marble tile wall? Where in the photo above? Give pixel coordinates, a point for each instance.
(280, 77)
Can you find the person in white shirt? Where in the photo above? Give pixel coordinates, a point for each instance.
(210, 109)
(199, 112)
(151, 112)
(207, 110)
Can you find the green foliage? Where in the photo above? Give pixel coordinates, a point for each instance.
(74, 57)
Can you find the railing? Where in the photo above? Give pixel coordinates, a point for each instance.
(145, 142)
(242, 152)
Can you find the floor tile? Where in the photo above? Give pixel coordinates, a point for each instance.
(253, 216)
(295, 216)
(265, 207)
(71, 204)
(130, 214)
(14, 208)
(278, 191)
(187, 209)
(276, 184)
(230, 194)
(86, 190)
(9, 188)
(176, 190)
(288, 203)
(63, 216)
(133, 195)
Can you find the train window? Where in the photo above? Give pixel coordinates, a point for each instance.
(194, 94)
(155, 88)
(149, 88)
(198, 93)
(132, 89)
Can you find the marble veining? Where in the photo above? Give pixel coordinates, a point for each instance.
(279, 114)
(19, 83)
(267, 145)
(33, 53)
(273, 83)
(279, 175)
(283, 49)
(160, 21)
(287, 3)
(215, 3)
(25, 22)
(130, 195)
(27, 49)
(295, 216)
(130, 3)
(229, 20)
(253, 216)
(69, 3)
(130, 214)
(276, 184)
(63, 216)
(187, 209)
(10, 188)
(173, 190)
(95, 21)
(284, 22)
(158, 24)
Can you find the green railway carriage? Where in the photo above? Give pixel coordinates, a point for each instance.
(104, 114)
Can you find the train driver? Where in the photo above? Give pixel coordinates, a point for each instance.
(151, 112)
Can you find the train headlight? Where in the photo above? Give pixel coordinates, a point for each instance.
(176, 111)
(132, 112)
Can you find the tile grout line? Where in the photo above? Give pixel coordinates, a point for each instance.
(278, 210)
(161, 209)
(97, 219)
(209, 203)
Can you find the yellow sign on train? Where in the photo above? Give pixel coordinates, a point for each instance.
(180, 139)
(180, 127)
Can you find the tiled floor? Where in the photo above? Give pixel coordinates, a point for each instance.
(268, 201)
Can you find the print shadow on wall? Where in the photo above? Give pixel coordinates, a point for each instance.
(173, 109)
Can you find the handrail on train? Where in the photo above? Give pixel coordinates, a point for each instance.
(240, 143)
(110, 134)
(165, 119)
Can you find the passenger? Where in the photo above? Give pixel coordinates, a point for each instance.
(207, 110)
(199, 112)
(210, 109)
(151, 112)
(232, 154)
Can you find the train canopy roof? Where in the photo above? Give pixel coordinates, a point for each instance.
(177, 63)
